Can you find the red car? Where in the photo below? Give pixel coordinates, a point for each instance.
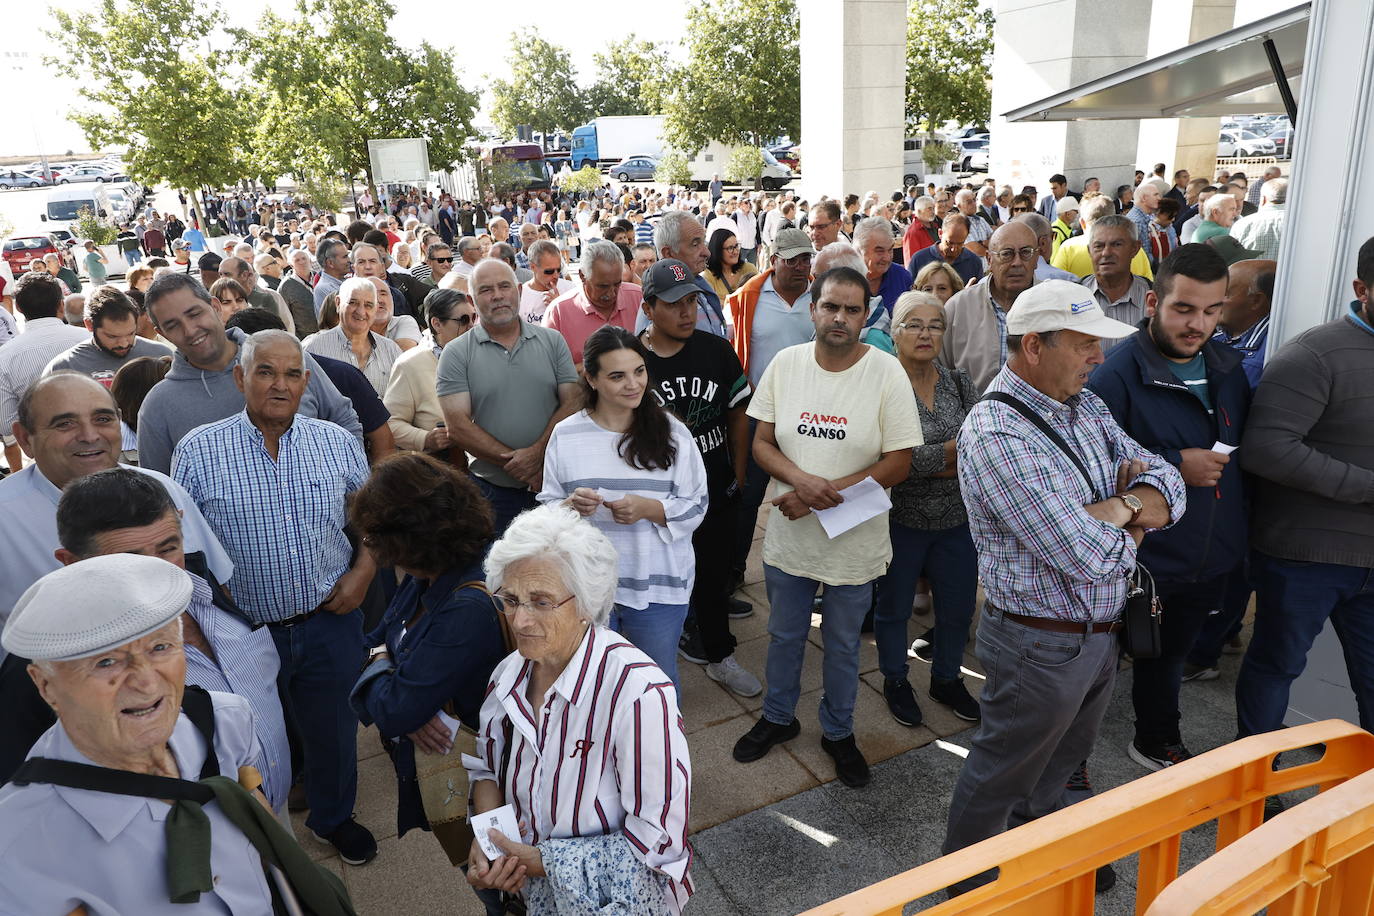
(19, 250)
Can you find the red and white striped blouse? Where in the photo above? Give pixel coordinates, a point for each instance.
(606, 752)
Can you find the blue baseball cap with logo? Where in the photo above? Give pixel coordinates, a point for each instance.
(1058, 305)
(668, 280)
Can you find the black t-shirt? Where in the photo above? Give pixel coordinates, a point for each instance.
(699, 384)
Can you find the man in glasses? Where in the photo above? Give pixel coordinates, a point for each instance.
(438, 262)
(976, 338)
(824, 225)
(538, 292)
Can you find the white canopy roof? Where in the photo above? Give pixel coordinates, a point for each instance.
(1227, 74)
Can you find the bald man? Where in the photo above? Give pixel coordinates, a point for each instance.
(1245, 313)
(976, 335)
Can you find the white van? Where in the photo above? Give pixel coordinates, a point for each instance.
(711, 160)
(65, 203)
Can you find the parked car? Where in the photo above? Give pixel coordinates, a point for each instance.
(973, 154)
(19, 250)
(1283, 140)
(89, 173)
(634, 168)
(1243, 143)
(17, 179)
(787, 155)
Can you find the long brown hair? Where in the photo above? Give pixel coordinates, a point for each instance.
(648, 444)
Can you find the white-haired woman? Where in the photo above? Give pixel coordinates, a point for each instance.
(928, 524)
(580, 733)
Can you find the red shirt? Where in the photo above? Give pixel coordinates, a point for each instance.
(918, 236)
(573, 316)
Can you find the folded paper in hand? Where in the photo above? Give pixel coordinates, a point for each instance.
(862, 501)
(502, 819)
(1222, 448)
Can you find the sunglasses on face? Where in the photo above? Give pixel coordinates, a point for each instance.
(447, 260)
(463, 320)
(550, 272)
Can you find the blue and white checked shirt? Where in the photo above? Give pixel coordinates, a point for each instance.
(1039, 552)
(282, 522)
(246, 663)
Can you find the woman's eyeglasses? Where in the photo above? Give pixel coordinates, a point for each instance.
(509, 604)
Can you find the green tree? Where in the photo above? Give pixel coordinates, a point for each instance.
(94, 227)
(155, 87)
(673, 169)
(631, 78)
(333, 78)
(948, 61)
(744, 166)
(584, 179)
(742, 80)
(501, 177)
(542, 90)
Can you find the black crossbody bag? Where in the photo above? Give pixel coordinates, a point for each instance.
(1140, 618)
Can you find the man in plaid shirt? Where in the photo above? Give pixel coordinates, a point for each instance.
(1054, 555)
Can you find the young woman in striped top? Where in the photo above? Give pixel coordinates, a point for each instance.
(633, 470)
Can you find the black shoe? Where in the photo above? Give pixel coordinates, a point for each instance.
(760, 739)
(956, 696)
(689, 647)
(355, 843)
(901, 701)
(739, 608)
(1106, 879)
(923, 646)
(850, 765)
(1079, 782)
(1157, 756)
(736, 581)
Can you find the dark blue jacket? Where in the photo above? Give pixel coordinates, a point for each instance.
(1158, 411)
(447, 655)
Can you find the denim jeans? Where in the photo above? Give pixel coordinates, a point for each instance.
(1155, 682)
(506, 503)
(1294, 600)
(843, 608)
(950, 561)
(132, 257)
(655, 631)
(1042, 706)
(1224, 623)
(320, 659)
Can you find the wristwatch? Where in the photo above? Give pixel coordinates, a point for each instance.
(1133, 503)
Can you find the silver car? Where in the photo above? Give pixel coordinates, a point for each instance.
(635, 168)
(17, 179)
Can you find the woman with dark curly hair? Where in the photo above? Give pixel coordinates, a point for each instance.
(440, 637)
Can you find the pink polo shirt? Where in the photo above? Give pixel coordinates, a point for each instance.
(573, 316)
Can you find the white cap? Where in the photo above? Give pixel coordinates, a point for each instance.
(1058, 305)
(1067, 204)
(94, 606)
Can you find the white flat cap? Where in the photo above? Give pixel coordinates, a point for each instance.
(94, 606)
(1066, 205)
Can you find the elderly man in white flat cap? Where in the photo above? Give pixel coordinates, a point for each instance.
(1059, 498)
(128, 804)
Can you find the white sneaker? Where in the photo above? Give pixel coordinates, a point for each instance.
(735, 679)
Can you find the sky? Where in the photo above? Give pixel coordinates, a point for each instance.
(479, 37)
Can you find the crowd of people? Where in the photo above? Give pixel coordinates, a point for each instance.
(481, 474)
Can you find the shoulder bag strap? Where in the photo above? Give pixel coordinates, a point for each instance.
(1040, 424)
(506, 636)
(200, 709)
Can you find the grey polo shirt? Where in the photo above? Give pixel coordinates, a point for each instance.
(514, 392)
(1129, 308)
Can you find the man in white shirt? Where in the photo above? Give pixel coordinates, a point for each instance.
(748, 231)
(469, 253)
(547, 284)
(831, 414)
(39, 297)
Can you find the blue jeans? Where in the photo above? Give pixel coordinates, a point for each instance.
(1294, 600)
(950, 561)
(506, 503)
(843, 608)
(320, 659)
(132, 257)
(655, 631)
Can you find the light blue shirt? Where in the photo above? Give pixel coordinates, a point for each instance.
(1045, 272)
(28, 538)
(62, 847)
(776, 327)
(246, 663)
(282, 520)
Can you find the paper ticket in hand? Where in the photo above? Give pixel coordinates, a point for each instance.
(862, 501)
(603, 513)
(1221, 448)
(451, 724)
(502, 819)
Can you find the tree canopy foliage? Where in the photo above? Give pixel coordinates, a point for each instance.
(948, 61)
(542, 90)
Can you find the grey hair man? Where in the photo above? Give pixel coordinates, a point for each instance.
(538, 293)
(295, 289)
(873, 240)
(1112, 245)
(1262, 230)
(680, 235)
(74, 309)
(501, 409)
(979, 230)
(1044, 240)
(332, 256)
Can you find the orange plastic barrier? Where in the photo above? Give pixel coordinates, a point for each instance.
(1047, 867)
(1316, 858)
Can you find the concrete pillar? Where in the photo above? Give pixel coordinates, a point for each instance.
(853, 89)
(1042, 48)
(1183, 143)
